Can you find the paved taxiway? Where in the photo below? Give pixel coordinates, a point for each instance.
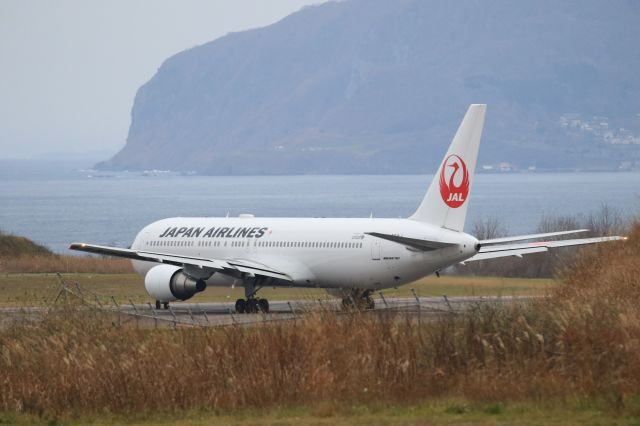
(222, 314)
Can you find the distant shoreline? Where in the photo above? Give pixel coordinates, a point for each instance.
(44, 168)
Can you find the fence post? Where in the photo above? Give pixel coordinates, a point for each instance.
(153, 311)
(137, 314)
(175, 319)
(448, 304)
(386, 305)
(233, 318)
(80, 291)
(118, 308)
(413, 290)
(63, 289)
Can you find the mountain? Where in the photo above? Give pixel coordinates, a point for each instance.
(379, 86)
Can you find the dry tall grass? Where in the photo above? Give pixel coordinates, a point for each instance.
(63, 264)
(582, 341)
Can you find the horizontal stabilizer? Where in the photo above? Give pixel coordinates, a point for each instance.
(531, 236)
(504, 250)
(416, 243)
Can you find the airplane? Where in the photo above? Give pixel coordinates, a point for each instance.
(349, 257)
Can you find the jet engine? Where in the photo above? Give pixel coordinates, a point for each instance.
(167, 283)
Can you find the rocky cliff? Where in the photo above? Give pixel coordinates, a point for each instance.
(378, 86)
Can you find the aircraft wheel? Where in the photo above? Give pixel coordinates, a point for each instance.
(166, 305)
(241, 306)
(347, 304)
(158, 305)
(371, 304)
(263, 305)
(252, 306)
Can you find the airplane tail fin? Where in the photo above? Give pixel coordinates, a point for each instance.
(446, 201)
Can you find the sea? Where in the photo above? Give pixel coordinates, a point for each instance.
(56, 204)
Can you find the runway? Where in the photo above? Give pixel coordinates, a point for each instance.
(185, 314)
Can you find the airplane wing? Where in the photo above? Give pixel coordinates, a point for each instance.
(225, 266)
(419, 244)
(504, 250)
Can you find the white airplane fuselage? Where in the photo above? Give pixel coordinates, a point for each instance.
(314, 252)
(179, 257)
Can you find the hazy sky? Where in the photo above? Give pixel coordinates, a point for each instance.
(69, 69)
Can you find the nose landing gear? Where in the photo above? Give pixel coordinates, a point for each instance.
(358, 299)
(160, 304)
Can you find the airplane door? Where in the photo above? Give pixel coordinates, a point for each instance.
(375, 249)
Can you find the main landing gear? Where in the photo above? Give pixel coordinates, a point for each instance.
(164, 305)
(251, 304)
(358, 299)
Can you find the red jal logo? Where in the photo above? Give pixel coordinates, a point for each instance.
(454, 181)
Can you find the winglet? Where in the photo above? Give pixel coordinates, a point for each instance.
(446, 201)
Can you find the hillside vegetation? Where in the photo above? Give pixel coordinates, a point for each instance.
(21, 255)
(14, 246)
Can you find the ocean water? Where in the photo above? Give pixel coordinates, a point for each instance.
(59, 208)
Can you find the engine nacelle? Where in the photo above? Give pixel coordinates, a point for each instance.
(168, 283)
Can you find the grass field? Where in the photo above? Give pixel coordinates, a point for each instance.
(35, 289)
(434, 412)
